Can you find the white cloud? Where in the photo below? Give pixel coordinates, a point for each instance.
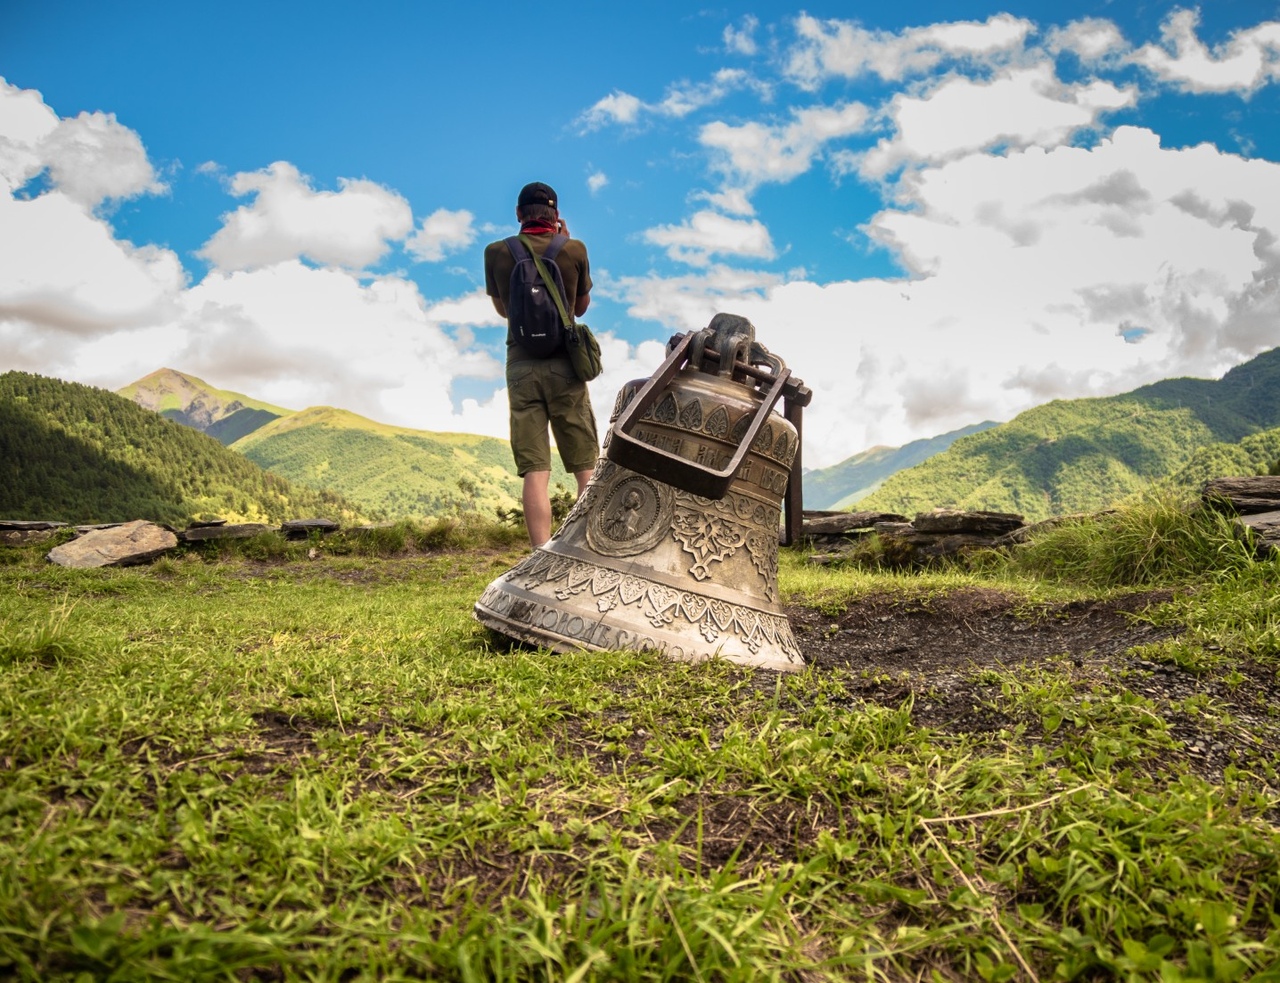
(707, 233)
(90, 158)
(732, 200)
(298, 336)
(1249, 60)
(741, 40)
(679, 100)
(1026, 273)
(843, 49)
(65, 278)
(686, 303)
(24, 122)
(1090, 39)
(617, 107)
(442, 232)
(754, 153)
(596, 180)
(1018, 108)
(475, 308)
(349, 228)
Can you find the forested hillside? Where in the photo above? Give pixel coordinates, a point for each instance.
(392, 470)
(1085, 454)
(853, 479)
(77, 454)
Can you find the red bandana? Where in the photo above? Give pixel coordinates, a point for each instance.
(538, 227)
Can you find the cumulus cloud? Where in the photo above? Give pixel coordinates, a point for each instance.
(688, 302)
(24, 123)
(617, 107)
(287, 219)
(371, 346)
(91, 158)
(442, 232)
(1033, 275)
(707, 233)
(740, 39)
(1249, 60)
(751, 154)
(66, 280)
(596, 180)
(679, 100)
(1018, 108)
(843, 49)
(1090, 39)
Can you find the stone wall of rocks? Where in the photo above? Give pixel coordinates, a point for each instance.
(120, 544)
(947, 533)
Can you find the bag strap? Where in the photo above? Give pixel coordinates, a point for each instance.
(542, 272)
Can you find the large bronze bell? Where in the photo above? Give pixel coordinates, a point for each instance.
(673, 545)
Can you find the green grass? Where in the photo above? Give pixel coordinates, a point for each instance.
(263, 765)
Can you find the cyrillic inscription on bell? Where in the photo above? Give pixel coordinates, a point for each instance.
(673, 545)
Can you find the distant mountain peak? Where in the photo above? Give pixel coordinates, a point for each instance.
(189, 400)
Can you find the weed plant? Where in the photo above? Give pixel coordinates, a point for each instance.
(255, 763)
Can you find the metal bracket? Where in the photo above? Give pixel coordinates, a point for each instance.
(653, 462)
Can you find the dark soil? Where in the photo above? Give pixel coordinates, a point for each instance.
(938, 654)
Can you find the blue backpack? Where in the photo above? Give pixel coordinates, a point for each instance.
(533, 316)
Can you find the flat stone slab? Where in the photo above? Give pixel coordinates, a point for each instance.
(1248, 495)
(954, 521)
(118, 546)
(32, 524)
(838, 523)
(301, 528)
(244, 530)
(1266, 526)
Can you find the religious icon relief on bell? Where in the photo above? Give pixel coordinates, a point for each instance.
(633, 515)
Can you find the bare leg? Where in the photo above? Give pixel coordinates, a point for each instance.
(536, 501)
(583, 477)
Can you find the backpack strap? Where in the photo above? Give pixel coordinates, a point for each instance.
(553, 247)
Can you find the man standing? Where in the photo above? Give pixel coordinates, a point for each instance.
(544, 391)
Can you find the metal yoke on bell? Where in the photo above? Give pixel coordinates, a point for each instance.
(673, 545)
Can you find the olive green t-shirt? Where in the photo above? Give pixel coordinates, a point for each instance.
(575, 271)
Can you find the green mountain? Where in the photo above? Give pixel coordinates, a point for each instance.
(224, 415)
(1084, 454)
(391, 471)
(843, 484)
(77, 454)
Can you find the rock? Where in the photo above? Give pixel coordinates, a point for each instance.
(81, 530)
(203, 523)
(1266, 526)
(1245, 495)
(301, 528)
(974, 523)
(245, 530)
(838, 523)
(893, 528)
(117, 546)
(14, 532)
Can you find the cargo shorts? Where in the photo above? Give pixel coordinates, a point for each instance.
(546, 392)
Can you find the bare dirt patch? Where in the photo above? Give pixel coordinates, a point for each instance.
(939, 652)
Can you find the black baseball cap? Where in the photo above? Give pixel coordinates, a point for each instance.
(537, 193)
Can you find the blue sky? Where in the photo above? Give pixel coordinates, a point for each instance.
(936, 213)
